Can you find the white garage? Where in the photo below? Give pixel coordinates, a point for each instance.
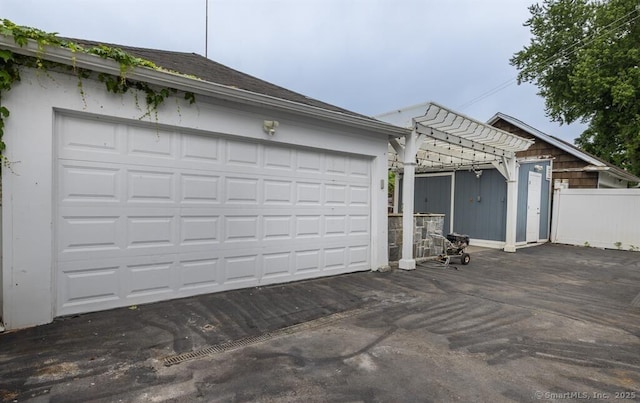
(145, 215)
(102, 208)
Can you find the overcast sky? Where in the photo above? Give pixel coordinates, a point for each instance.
(369, 56)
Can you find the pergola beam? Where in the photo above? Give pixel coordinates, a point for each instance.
(463, 142)
(399, 148)
(438, 154)
(439, 118)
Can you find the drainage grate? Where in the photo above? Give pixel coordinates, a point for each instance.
(636, 301)
(232, 345)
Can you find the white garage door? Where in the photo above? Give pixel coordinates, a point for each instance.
(146, 215)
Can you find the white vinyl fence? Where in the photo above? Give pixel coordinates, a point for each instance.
(603, 218)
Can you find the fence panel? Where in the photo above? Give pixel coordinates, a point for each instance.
(604, 218)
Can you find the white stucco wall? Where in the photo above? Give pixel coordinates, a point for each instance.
(28, 281)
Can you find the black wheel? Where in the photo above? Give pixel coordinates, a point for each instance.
(465, 258)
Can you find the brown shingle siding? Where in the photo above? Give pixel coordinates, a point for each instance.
(561, 159)
(579, 179)
(508, 127)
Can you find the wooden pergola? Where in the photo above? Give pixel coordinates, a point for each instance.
(441, 139)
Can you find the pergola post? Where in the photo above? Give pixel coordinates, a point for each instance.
(512, 204)
(407, 261)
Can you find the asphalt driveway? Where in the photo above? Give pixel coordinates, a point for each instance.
(548, 323)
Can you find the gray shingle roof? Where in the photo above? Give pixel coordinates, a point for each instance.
(205, 69)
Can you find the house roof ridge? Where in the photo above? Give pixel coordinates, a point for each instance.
(213, 71)
(93, 42)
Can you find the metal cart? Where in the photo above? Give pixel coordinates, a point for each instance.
(453, 246)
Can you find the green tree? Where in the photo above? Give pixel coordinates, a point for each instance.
(584, 57)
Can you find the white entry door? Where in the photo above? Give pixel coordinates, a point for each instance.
(533, 207)
(145, 214)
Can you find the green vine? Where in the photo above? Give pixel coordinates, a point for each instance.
(8, 75)
(10, 63)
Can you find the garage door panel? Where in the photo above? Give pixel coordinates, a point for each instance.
(299, 243)
(335, 258)
(278, 228)
(240, 153)
(337, 165)
(201, 149)
(151, 232)
(358, 255)
(80, 234)
(199, 273)
(84, 286)
(307, 261)
(359, 168)
(85, 135)
(335, 225)
(278, 192)
(308, 193)
(332, 243)
(96, 233)
(359, 196)
(330, 211)
(307, 226)
(200, 230)
(143, 142)
(146, 214)
(140, 146)
(278, 159)
(151, 186)
(90, 285)
(242, 268)
(276, 265)
(358, 224)
(82, 183)
(200, 188)
(241, 229)
(335, 194)
(241, 190)
(309, 162)
(148, 278)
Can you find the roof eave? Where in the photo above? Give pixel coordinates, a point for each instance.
(545, 137)
(197, 86)
(618, 174)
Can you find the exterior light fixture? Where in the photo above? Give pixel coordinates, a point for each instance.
(478, 172)
(269, 126)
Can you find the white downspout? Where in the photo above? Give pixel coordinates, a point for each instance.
(407, 262)
(512, 204)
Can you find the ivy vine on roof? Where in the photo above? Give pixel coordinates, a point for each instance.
(10, 63)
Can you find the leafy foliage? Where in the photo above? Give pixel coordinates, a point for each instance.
(8, 75)
(10, 63)
(584, 57)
